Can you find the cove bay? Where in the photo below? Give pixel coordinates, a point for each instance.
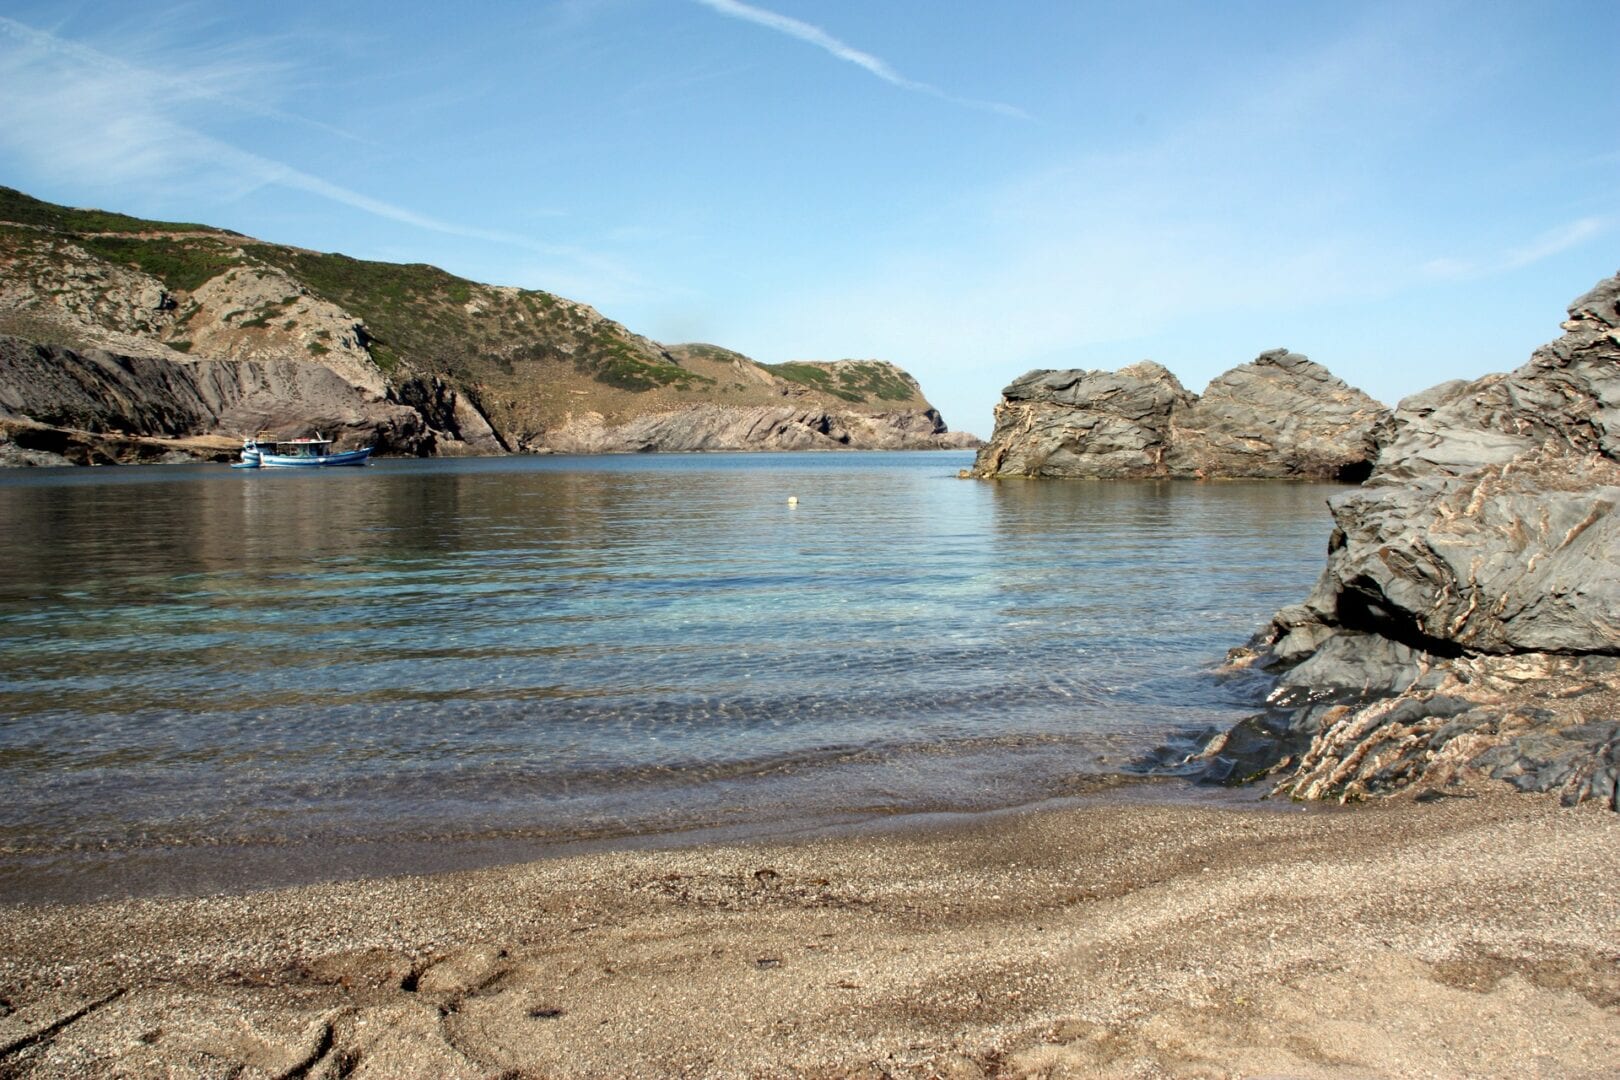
(217, 680)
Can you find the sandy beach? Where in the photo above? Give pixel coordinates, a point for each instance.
(1119, 936)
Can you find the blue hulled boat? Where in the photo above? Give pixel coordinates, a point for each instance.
(312, 453)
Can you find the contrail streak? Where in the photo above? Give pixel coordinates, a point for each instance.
(818, 37)
(124, 112)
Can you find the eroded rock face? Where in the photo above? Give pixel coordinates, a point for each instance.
(460, 424)
(1113, 424)
(1468, 623)
(1539, 721)
(1522, 557)
(1568, 395)
(1279, 416)
(104, 393)
(57, 287)
(260, 313)
(719, 427)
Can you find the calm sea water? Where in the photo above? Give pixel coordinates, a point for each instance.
(212, 678)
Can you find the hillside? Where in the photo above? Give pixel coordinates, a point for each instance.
(489, 369)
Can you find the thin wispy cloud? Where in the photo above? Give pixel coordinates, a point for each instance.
(75, 111)
(273, 172)
(193, 85)
(1553, 242)
(815, 35)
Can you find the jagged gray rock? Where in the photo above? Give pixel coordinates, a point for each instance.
(459, 424)
(102, 393)
(1522, 557)
(1538, 721)
(1112, 424)
(1568, 394)
(1280, 415)
(1468, 622)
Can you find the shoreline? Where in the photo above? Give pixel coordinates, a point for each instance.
(120, 448)
(181, 871)
(1113, 936)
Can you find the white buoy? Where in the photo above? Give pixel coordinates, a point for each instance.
(793, 500)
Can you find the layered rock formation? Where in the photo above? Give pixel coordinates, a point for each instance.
(1280, 415)
(846, 404)
(759, 427)
(1085, 423)
(1467, 626)
(323, 341)
(47, 392)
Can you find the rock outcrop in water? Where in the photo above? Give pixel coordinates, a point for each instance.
(1113, 424)
(1468, 623)
(1280, 415)
(286, 340)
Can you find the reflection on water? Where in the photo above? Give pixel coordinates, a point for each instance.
(196, 658)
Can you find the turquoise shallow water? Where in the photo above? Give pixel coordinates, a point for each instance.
(198, 667)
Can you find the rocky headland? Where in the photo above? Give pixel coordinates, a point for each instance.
(1279, 416)
(1466, 629)
(126, 340)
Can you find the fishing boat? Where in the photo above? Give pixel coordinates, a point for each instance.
(311, 453)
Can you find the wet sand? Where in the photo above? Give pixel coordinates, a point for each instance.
(1117, 937)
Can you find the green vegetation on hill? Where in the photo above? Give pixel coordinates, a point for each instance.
(439, 322)
(419, 316)
(358, 284)
(27, 210)
(715, 353)
(617, 364)
(182, 265)
(851, 380)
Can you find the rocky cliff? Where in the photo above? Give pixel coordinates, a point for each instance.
(1467, 626)
(1279, 416)
(258, 336)
(58, 405)
(759, 427)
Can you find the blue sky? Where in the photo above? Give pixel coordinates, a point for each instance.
(1407, 192)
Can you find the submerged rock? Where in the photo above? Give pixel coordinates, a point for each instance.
(1280, 415)
(1467, 625)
